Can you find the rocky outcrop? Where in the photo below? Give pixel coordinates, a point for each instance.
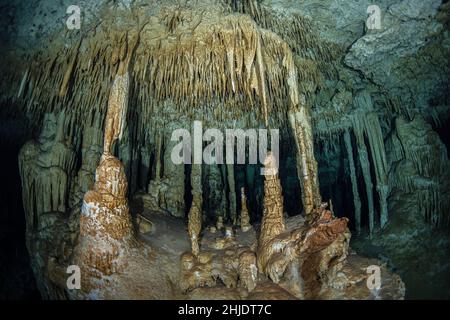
(420, 173)
(46, 167)
(106, 234)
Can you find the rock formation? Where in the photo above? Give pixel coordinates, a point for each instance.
(363, 111)
(245, 218)
(106, 233)
(195, 212)
(272, 223)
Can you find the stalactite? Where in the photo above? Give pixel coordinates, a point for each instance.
(69, 71)
(376, 143)
(23, 83)
(158, 157)
(356, 199)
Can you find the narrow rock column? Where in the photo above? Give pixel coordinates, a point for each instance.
(195, 212)
(106, 233)
(105, 223)
(158, 157)
(272, 223)
(306, 163)
(232, 192)
(300, 122)
(245, 217)
(376, 143)
(365, 167)
(174, 178)
(356, 199)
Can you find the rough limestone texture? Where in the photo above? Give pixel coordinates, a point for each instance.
(105, 226)
(46, 167)
(272, 223)
(243, 64)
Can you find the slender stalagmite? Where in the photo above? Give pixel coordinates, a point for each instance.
(106, 233)
(158, 157)
(356, 199)
(232, 194)
(245, 217)
(272, 223)
(195, 213)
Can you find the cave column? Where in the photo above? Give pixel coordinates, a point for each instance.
(272, 223)
(300, 122)
(306, 163)
(195, 212)
(158, 157)
(363, 156)
(356, 199)
(376, 143)
(245, 217)
(232, 192)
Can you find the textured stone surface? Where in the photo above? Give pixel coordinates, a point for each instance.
(313, 59)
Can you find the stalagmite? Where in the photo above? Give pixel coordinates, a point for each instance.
(356, 199)
(106, 234)
(173, 178)
(158, 157)
(105, 226)
(232, 192)
(272, 223)
(195, 213)
(245, 217)
(215, 195)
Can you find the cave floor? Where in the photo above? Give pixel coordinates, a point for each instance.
(168, 240)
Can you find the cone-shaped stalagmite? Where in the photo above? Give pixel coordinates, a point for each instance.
(273, 220)
(245, 217)
(106, 235)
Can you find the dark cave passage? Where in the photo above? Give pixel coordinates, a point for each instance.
(17, 280)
